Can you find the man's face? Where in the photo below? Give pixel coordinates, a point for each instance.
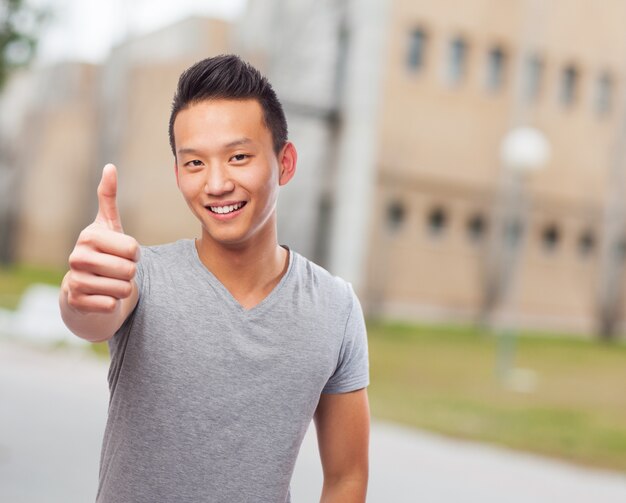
(227, 170)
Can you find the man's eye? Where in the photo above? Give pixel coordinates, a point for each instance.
(195, 162)
(239, 157)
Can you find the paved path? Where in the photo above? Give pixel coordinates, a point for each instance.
(52, 414)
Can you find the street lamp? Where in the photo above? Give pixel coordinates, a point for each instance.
(523, 150)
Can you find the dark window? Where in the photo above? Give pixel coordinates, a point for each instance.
(603, 93)
(476, 228)
(550, 237)
(417, 50)
(533, 73)
(496, 61)
(569, 85)
(457, 60)
(586, 243)
(396, 214)
(437, 221)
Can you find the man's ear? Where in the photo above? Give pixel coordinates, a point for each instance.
(176, 173)
(287, 160)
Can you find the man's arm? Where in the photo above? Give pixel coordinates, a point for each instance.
(342, 422)
(99, 291)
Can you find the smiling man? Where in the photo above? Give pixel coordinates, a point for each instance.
(225, 347)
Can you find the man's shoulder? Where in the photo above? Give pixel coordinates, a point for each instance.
(320, 281)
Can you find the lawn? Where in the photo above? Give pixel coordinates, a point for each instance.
(444, 379)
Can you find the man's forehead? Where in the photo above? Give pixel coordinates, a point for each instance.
(221, 122)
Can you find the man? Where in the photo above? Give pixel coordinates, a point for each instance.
(225, 347)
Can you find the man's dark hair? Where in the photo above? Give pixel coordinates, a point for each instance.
(228, 77)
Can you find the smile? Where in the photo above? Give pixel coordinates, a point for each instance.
(227, 208)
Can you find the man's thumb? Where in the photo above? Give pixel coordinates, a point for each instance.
(107, 202)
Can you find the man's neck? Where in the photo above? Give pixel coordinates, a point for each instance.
(249, 271)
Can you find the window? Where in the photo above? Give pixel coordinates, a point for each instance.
(457, 60)
(550, 237)
(417, 50)
(437, 221)
(533, 73)
(476, 228)
(496, 60)
(569, 85)
(603, 93)
(395, 215)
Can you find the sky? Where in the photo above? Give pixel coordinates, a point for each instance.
(85, 30)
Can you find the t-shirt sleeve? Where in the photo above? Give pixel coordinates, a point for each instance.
(352, 372)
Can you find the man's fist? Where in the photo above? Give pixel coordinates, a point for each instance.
(103, 262)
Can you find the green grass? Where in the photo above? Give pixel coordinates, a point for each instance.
(15, 279)
(444, 379)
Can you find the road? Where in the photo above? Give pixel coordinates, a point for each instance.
(53, 408)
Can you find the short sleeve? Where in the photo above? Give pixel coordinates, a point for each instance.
(352, 372)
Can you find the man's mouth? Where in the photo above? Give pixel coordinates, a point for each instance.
(228, 208)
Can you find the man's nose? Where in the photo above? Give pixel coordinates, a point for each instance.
(218, 181)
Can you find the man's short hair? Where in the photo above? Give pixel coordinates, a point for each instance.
(228, 77)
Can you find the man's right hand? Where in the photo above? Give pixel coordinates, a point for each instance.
(102, 270)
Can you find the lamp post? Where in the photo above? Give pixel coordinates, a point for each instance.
(523, 150)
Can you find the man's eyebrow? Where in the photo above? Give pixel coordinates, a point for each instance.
(230, 144)
(187, 150)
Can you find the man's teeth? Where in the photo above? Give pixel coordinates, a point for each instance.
(226, 209)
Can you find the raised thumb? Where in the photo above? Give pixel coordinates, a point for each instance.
(107, 199)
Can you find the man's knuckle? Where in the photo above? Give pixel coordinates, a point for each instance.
(126, 289)
(133, 248)
(109, 304)
(76, 259)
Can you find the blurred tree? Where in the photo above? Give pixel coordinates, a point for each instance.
(19, 24)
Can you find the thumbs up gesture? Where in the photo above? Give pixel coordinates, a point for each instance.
(103, 262)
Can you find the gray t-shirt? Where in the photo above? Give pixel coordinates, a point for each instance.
(210, 401)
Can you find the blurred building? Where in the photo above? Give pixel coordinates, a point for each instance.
(425, 93)
(398, 109)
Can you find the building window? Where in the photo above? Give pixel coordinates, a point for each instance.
(550, 237)
(533, 74)
(396, 214)
(457, 60)
(586, 243)
(496, 60)
(603, 93)
(569, 85)
(437, 221)
(417, 50)
(476, 228)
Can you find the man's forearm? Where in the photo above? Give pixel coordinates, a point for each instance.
(345, 490)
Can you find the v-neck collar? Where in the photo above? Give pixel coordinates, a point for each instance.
(192, 255)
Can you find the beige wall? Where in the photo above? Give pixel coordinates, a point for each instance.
(55, 155)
